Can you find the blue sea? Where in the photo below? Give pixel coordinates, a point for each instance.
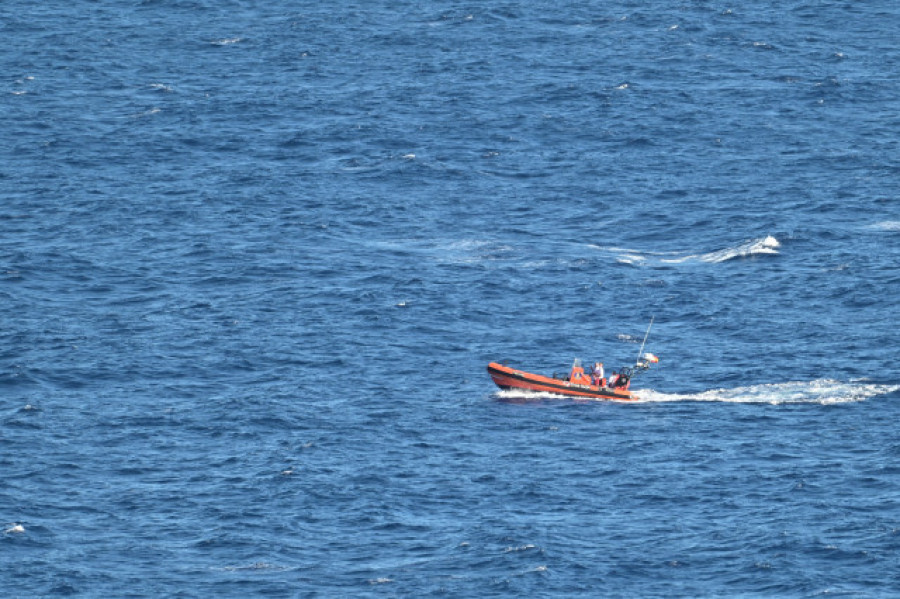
(256, 256)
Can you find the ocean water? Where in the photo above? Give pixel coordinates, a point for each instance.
(255, 257)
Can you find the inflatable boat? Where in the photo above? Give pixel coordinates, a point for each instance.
(576, 384)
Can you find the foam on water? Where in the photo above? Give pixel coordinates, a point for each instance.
(822, 391)
(751, 247)
(767, 245)
(515, 395)
(525, 396)
(887, 225)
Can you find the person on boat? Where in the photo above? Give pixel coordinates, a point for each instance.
(619, 380)
(598, 378)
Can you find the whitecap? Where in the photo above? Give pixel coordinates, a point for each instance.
(15, 529)
(767, 245)
(752, 247)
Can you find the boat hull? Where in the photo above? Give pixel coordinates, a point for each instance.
(510, 378)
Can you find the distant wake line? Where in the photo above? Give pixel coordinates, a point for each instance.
(753, 247)
(823, 391)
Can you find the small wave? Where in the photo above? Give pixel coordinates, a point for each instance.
(823, 391)
(752, 247)
(767, 245)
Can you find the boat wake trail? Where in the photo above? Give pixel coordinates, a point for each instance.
(823, 391)
(752, 247)
(767, 245)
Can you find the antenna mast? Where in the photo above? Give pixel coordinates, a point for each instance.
(644, 342)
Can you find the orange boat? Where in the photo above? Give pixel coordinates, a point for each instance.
(576, 384)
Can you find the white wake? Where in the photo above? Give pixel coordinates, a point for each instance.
(767, 245)
(746, 249)
(822, 391)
